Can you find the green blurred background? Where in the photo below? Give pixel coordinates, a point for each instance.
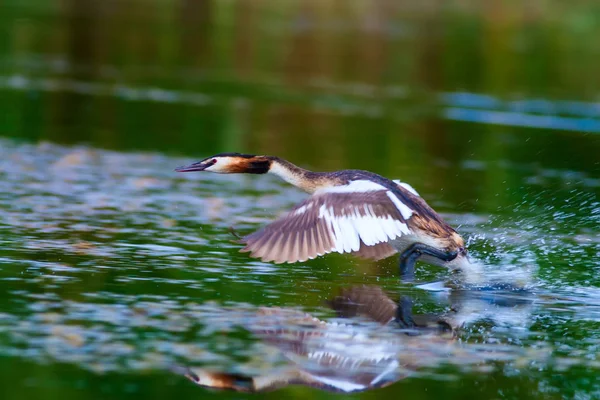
(315, 76)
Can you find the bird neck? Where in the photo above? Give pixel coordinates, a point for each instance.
(301, 178)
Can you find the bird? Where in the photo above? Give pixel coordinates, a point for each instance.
(349, 211)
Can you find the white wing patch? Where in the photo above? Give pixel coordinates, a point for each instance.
(303, 209)
(406, 186)
(403, 208)
(347, 231)
(359, 186)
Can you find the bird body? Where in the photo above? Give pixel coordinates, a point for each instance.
(349, 211)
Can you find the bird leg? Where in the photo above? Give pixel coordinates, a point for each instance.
(409, 257)
(240, 240)
(404, 313)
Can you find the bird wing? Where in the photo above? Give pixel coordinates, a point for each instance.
(376, 252)
(355, 218)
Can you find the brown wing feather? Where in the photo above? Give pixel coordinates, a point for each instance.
(281, 240)
(376, 252)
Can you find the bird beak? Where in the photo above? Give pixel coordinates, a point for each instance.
(199, 166)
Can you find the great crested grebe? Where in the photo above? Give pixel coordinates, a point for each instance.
(350, 211)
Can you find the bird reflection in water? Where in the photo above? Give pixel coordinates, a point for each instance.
(378, 342)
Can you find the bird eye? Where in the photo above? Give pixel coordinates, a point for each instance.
(213, 161)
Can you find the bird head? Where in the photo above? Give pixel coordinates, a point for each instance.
(231, 163)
